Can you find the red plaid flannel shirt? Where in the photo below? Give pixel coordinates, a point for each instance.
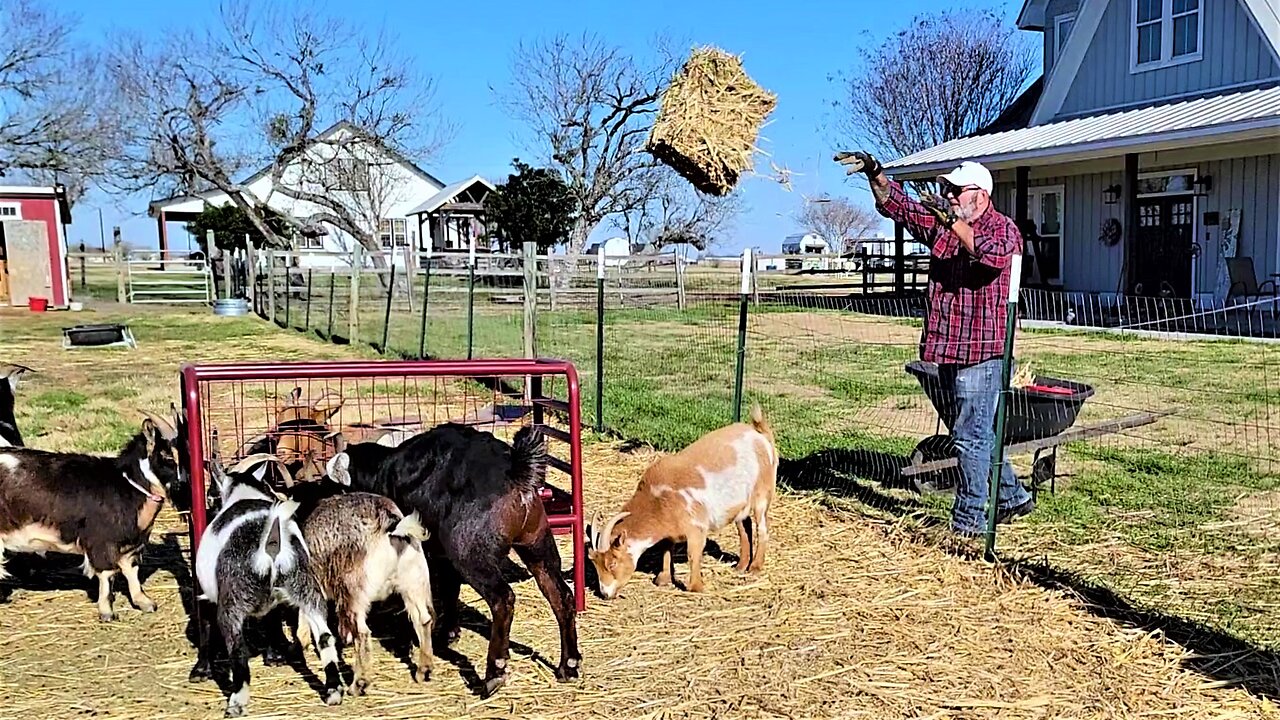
(965, 312)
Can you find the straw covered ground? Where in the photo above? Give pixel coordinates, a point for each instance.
(854, 617)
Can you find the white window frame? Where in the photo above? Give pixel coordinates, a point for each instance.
(17, 210)
(1057, 33)
(1166, 58)
(1033, 214)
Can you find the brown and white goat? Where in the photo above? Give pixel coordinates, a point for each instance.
(727, 475)
(100, 507)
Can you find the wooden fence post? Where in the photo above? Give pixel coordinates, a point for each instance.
(251, 282)
(681, 300)
(271, 284)
(353, 304)
(117, 251)
(530, 300)
(409, 271)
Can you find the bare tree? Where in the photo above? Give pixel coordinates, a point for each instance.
(837, 220)
(54, 123)
(675, 213)
(324, 107)
(590, 106)
(945, 76)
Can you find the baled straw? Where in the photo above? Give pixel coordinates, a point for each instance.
(710, 117)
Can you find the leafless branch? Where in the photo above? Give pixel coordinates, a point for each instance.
(945, 76)
(838, 221)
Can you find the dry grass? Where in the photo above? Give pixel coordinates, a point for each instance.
(710, 116)
(853, 618)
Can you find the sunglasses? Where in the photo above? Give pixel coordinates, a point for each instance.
(955, 191)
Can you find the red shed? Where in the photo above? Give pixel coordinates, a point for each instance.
(33, 245)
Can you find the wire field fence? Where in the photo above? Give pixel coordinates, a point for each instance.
(1151, 447)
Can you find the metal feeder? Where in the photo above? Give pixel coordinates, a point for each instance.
(97, 336)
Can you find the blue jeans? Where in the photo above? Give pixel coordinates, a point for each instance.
(974, 390)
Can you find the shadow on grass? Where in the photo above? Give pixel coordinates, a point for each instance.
(862, 475)
(1214, 654)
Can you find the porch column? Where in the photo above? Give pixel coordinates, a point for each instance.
(163, 236)
(899, 259)
(1129, 213)
(1021, 186)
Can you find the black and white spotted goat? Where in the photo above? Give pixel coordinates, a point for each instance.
(9, 435)
(253, 558)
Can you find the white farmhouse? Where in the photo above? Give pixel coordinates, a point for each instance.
(410, 207)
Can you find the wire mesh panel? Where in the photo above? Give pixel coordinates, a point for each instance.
(235, 409)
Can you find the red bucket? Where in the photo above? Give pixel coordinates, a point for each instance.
(37, 304)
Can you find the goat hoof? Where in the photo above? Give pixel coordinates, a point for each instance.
(234, 711)
(662, 580)
(422, 675)
(200, 673)
(492, 684)
(274, 656)
(333, 697)
(358, 687)
(148, 606)
(107, 617)
(568, 670)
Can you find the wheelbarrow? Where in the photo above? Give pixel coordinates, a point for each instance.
(1038, 418)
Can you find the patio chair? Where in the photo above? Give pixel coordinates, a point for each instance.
(1245, 285)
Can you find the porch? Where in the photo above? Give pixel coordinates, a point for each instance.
(1163, 203)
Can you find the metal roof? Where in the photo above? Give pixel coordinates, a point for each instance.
(1244, 115)
(447, 194)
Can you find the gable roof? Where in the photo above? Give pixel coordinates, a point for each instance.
(1264, 13)
(354, 129)
(447, 194)
(1243, 115)
(155, 205)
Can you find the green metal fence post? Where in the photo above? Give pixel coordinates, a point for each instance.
(471, 296)
(600, 339)
(333, 283)
(386, 317)
(743, 297)
(306, 322)
(1002, 401)
(426, 296)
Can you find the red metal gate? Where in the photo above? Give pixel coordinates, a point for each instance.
(234, 404)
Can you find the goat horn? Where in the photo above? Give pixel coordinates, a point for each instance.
(166, 428)
(606, 534)
(249, 461)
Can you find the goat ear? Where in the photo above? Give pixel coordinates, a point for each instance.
(339, 469)
(12, 376)
(339, 441)
(620, 538)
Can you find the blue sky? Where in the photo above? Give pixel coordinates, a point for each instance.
(791, 48)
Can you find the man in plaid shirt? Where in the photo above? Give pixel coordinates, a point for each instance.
(971, 248)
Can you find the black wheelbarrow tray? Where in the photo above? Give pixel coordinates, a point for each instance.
(1038, 418)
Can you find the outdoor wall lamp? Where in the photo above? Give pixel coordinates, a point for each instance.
(1111, 195)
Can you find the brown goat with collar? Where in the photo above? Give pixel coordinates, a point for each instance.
(99, 507)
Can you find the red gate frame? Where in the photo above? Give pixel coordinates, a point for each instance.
(561, 521)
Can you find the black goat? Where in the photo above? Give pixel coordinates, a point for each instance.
(9, 435)
(100, 507)
(478, 498)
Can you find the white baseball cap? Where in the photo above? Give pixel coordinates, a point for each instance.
(970, 173)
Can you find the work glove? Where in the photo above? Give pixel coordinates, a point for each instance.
(940, 207)
(859, 162)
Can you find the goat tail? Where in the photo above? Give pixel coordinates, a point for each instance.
(410, 526)
(528, 459)
(274, 549)
(759, 422)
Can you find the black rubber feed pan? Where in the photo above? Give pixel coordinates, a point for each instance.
(95, 335)
(1046, 408)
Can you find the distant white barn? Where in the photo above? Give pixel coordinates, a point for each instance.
(415, 209)
(805, 244)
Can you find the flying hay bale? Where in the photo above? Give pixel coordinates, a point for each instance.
(710, 116)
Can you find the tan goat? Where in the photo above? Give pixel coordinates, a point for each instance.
(727, 475)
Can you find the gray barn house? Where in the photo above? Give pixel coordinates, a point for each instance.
(1148, 153)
